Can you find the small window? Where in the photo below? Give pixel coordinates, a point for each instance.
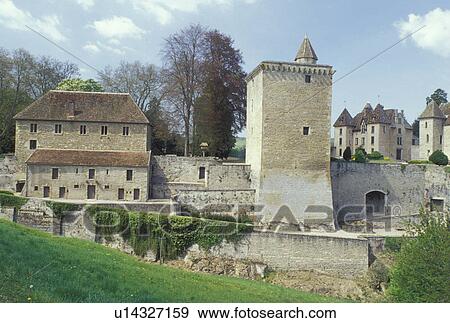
(356, 141)
(126, 131)
(104, 130)
(136, 194)
(129, 175)
(83, 129)
(58, 128)
(33, 127)
(399, 141)
(340, 131)
(120, 194)
(107, 172)
(440, 140)
(340, 141)
(106, 187)
(77, 171)
(426, 124)
(76, 186)
(55, 173)
(91, 173)
(201, 173)
(399, 131)
(307, 78)
(36, 188)
(305, 131)
(372, 140)
(33, 144)
(428, 138)
(373, 129)
(340, 152)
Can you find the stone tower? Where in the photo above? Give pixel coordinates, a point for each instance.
(288, 140)
(432, 122)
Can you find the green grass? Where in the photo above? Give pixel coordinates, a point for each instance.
(73, 270)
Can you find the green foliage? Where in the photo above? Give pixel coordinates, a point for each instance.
(10, 200)
(6, 192)
(378, 276)
(422, 267)
(393, 244)
(439, 158)
(439, 96)
(59, 209)
(171, 235)
(375, 156)
(447, 169)
(360, 155)
(419, 162)
(80, 85)
(347, 155)
(79, 271)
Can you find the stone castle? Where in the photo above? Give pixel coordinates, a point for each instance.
(95, 148)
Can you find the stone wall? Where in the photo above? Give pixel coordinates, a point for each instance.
(405, 186)
(345, 257)
(8, 168)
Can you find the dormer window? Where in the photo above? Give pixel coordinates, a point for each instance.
(363, 127)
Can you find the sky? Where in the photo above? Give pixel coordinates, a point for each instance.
(344, 33)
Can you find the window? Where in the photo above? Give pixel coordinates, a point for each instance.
(55, 173)
(399, 141)
(440, 140)
(340, 131)
(106, 187)
(307, 78)
(340, 141)
(340, 152)
(356, 141)
(384, 129)
(399, 131)
(201, 173)
(58, 128)
(426, 124)
(33, 144)
(373, 129)
(76, 186)
(372, 140)
(363, 127)
(83, 129)
(305, 131)
(77, 171)
(36, 188)
(107, 172)
(129, 175)
(126, 131)
(428, 138)
(136, 194)
(91, 173)
(33, 127)
(104, 130)
(363, 141)
(120, 194)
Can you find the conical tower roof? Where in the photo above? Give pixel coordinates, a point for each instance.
(306, 53)
(432, 111)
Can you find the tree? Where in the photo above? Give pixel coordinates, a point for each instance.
(80, 85)
(422, 268)
(416, 128)
(220, 111)
(439, 96)
(183, 56)
(141, 81)
(438, 158)
(347, 155)
(360, 155)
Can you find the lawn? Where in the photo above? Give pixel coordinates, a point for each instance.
(38, 267)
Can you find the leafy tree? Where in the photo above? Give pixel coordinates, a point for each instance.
(347, 155)
(439, 96)
(360, 155)
(422, 268)
(80, 85)
(416, 128)
(438, 158)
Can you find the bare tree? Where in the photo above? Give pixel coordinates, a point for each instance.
(142, 81)
(183, 55)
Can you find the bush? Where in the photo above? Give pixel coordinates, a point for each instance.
(422, 267)
(419, 162)
(347, 154)
(360, 157)
(375, 156)
(378, 276)
(10, 200)
(439, 158)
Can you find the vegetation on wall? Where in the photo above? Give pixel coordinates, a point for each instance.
(59, 209)
(166, 236)
(10, 200)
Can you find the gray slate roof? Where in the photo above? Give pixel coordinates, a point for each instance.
(86, 106)
(306, 50)
(432, 111)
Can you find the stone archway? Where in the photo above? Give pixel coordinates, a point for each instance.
(376, 202)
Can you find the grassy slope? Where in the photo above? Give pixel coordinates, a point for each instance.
(72, 270)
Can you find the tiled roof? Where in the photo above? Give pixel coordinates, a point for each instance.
(84, 106)
(306, 50)
(56, 157)
(345, 119)
(432, 111)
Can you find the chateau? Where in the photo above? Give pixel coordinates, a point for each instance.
(374, 129)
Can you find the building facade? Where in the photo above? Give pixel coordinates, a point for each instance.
(288, 117)
(375, 129)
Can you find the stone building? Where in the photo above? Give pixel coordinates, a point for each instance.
(100, 138)
(384, 130)
(288, 118)
(434, 130)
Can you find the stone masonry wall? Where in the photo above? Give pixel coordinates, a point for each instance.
(8, 168)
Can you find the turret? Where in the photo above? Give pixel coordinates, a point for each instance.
(306, 54)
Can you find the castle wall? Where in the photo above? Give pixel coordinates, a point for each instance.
(446, 143)
(8, 168)
(70, 138)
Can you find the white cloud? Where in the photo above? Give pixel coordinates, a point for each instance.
(14, 18)
(91, 47)
(435, 36)
(101, 47)
(163, 9)
(86, 4)
(117, 28)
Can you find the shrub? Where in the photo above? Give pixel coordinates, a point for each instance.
(439, 158)
(10, 200)
(419, 162)
(59, 209)
(347, 155)
(360, 157)
(6, 192)
(422, 267)
(377, 276)
(375, 156)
